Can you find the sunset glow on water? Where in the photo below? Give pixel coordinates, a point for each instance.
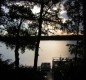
(48, 50)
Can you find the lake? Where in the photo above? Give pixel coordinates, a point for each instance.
(48, 50)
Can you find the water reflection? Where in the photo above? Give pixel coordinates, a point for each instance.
(48, 50)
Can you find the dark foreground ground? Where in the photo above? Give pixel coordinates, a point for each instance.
(23, 73)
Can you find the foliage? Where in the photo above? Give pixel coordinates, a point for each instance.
(75, 14)
(17, 12)
(79, 47)
(5, 64)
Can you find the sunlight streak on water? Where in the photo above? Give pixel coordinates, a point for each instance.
(50, 49)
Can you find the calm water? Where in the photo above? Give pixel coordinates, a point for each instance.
(48, 50)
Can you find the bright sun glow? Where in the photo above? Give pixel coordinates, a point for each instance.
(36, 9)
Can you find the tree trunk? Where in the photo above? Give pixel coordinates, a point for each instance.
(84, 23)
(38, 38)
(17, 54)
(17, 47)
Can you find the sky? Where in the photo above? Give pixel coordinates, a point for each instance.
(63, 13)
(36, 10)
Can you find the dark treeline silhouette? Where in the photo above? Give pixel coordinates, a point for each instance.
(75, 13)
(75, 69)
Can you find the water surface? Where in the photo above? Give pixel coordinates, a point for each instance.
(48, 50)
